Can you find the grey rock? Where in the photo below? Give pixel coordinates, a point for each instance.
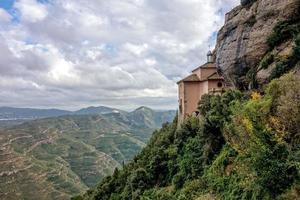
(242, 41)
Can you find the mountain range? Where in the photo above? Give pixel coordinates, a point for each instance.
(59, 156)
(10, 116)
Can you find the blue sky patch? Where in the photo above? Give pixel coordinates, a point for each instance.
(43, 1)
(6, 4)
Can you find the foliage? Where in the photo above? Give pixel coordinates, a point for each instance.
(267, 60)
(285, 94)
(283, 31)
(263, 166)
(172, 157)
(289, 63)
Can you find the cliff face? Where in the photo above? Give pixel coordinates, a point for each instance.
(242, 42)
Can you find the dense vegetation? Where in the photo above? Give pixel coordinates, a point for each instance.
(243, 147)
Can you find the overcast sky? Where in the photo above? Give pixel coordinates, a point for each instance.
(70, 54)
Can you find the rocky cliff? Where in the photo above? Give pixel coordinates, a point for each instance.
(244, 40)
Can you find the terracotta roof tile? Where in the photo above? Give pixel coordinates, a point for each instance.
(215, 75)
(190, 78)
(206, 65)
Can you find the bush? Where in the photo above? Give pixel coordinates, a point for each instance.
(266, 61)
(275, 174)
(285, 93)
(158, 194)
(288, 64)
(283, 31)
(178, 181)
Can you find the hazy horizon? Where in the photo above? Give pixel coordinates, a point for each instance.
(49, 108)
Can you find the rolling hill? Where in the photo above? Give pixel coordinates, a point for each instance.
(10, 116)
(55, 158)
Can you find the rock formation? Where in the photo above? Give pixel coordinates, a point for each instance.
(242, 42)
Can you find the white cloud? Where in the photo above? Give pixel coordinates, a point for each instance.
(31, 10)
(137, 50)
(128, 53)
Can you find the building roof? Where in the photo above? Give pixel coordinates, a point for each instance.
(195, 78)
(215, 76)
(190, 78)
(206, 65)
(209, 53)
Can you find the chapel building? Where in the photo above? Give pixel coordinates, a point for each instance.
(203, 80)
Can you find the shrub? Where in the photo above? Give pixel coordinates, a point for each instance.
(285, 93)
(288, 64)
(283, 31)
(266, 61)
(158, 194)
(178, 180)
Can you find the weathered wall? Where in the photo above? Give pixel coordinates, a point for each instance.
(192, 96)
(241, 43)
(213, 85)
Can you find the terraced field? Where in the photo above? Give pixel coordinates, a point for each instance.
(58, 157)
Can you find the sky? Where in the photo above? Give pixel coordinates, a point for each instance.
(70, 54)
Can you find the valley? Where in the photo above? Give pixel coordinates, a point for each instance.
(55, 158)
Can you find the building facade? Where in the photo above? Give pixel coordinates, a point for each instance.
(203, 80)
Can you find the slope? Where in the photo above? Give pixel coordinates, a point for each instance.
(243, 147)
(54, 158)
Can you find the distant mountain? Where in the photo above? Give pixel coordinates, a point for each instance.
(97, 110)
(55, 158)
(141, 117)
(151, 118)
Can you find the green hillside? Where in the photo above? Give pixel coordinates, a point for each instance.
(56, 158)
(245, 146)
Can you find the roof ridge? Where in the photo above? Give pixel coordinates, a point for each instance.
(206, 65)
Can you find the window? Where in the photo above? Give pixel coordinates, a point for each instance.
(220, 84)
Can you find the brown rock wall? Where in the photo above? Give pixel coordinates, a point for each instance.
(241, 42)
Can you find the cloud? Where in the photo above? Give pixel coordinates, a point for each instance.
(31, 10)
(4, 16)
(70, 54)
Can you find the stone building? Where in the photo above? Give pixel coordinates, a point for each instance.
(203, 80)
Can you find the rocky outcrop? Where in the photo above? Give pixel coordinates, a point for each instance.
(242, 42)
